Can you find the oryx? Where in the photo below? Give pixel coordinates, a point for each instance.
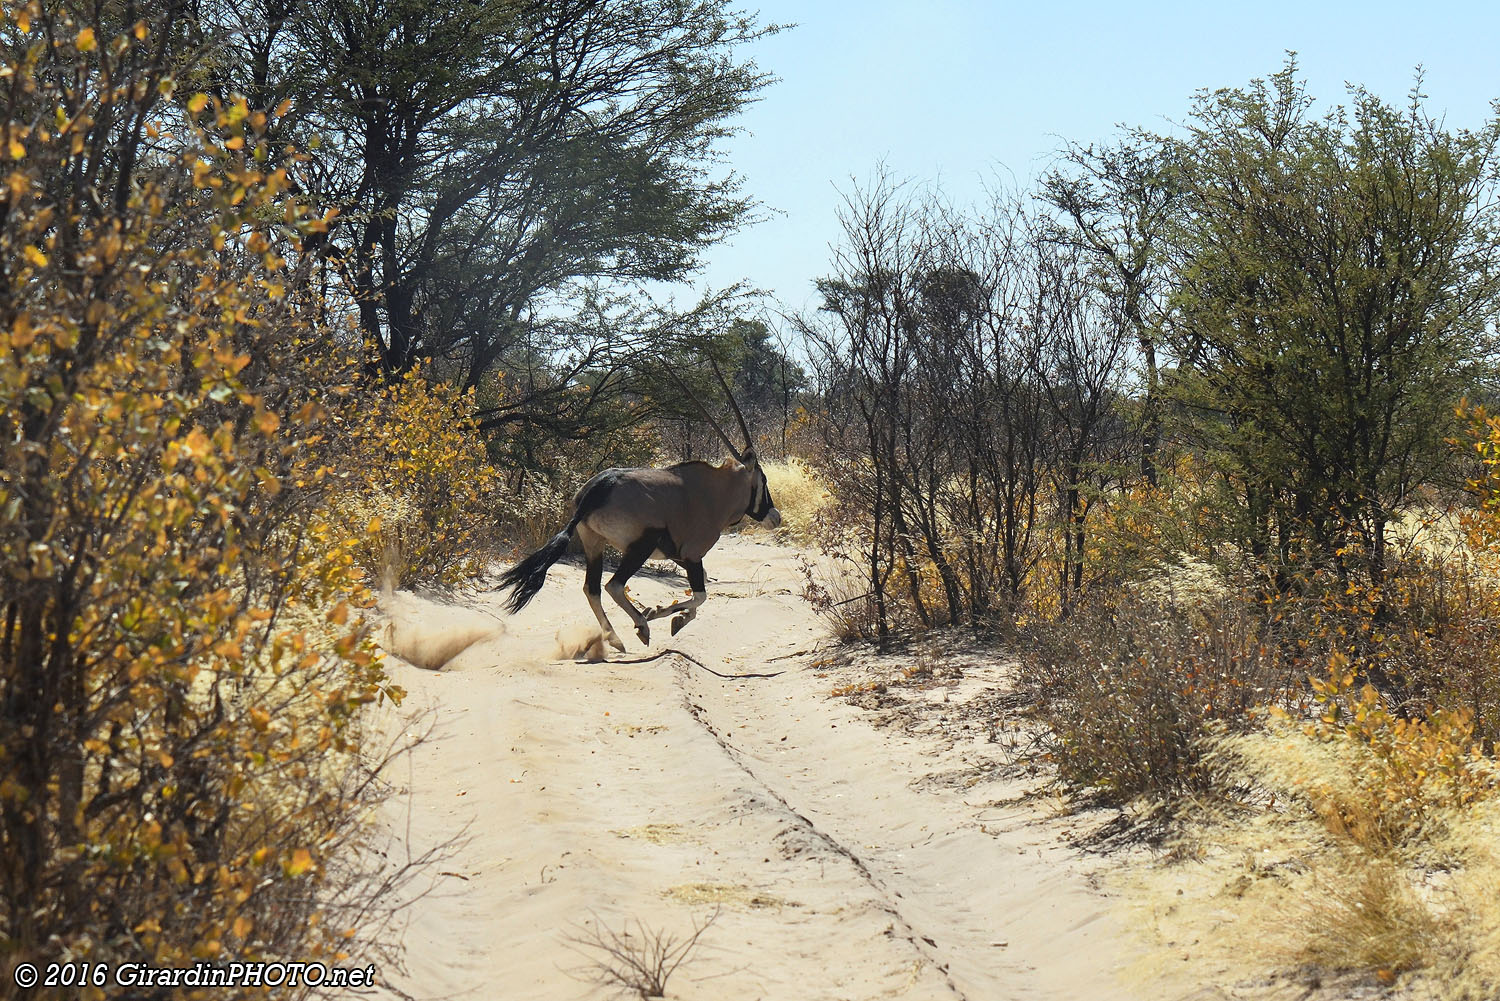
(677, 513)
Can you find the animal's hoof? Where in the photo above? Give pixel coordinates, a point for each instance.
(644, 632)
(614, 641)
(678, 622)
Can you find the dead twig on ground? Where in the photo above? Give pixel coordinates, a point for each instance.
(638, 963)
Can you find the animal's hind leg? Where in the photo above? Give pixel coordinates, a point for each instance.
(631, 560)
(593, 548)
(689, 608)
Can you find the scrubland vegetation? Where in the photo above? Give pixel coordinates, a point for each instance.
(189, 460)
(1195, 430)
(303, 301)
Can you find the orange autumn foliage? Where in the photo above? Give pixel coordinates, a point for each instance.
(183, 655)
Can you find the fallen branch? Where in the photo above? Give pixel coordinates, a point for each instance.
(694, 660)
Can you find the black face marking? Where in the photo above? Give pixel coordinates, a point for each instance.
(760, 497)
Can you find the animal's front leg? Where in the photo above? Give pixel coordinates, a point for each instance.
(691, 567)
(662, 611)
(699, 583)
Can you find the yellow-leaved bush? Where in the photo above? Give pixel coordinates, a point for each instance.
(1404, 773)
(183, 659)
(421, 497)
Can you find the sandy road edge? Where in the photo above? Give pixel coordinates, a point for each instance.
(918, 942)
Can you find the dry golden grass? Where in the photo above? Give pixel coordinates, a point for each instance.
(730, 894)
(1302, 872)
(800, 495)
(1367, 913)
(657, 834)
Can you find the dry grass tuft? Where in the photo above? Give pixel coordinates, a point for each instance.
(656, 834)
(1130, 693)
(1308, 869)
(734, 894)
(1365, 914)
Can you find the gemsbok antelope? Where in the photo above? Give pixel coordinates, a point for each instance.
(676, 513)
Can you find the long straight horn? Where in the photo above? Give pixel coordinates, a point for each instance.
(706, 415)
(729, 395)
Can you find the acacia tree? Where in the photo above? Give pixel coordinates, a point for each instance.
(1118, 204)
(1338, 283)
(492, 160)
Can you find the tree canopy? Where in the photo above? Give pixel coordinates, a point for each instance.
(1337, 279)
(500, 167)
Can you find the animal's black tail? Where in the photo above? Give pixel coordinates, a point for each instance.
(526, 578)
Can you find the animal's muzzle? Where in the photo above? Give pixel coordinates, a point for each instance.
(772, 519)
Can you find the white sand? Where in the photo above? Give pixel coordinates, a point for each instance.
(846, 861)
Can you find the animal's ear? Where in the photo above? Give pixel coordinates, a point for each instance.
(748, 457)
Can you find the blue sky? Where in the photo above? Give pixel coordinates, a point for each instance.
(965, 93)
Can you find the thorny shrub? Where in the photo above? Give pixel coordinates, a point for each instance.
(1129, 692)
(832, 585)
(871, 587)
(183, 662)
(838, 582)
(1366, 825)
(1428, 636)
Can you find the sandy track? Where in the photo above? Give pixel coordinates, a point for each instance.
(846, 861)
